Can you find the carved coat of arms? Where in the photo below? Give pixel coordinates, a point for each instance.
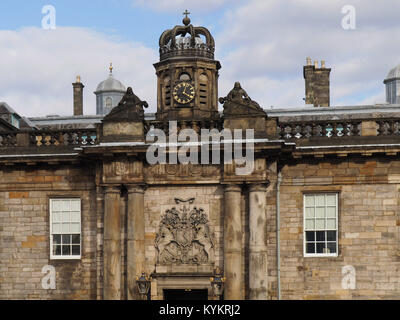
(184, 236)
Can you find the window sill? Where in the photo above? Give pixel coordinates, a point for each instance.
(66, 258)
(322, 255)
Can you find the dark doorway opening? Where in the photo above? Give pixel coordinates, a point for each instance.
(180, 295)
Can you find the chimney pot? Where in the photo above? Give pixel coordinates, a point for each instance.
(78, 96)
(317, 84)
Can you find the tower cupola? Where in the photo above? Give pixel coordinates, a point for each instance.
(108, 93)
(187, 73)
(392, 83)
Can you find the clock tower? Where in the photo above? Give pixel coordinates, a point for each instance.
(187, 86)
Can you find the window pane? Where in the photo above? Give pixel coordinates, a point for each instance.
(75, 216)
(331, 212)
(76, 250)
(66, 216)
(66, 239)
(320, 200)
(309, 201)
(75, 205)
(320, 212)
(57, 216)
(320, 247)
(331, 224)
(56, 228)
(75, 227)
(57, 250)
(66, 250)
(57, 239)
(320, 224)
(310, 248)
(310, 213)
(332, 247)
(56, 205)
(76, 239)
(310, 224)
(331, 235)
(66, 205)
(331, 199)
(310, 236)
(65, 228)
(320, 235)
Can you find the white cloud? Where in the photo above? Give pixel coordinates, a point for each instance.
(266, 43)
(39, 66)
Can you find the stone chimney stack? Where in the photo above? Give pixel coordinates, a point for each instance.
(78, 97)
(317, 84)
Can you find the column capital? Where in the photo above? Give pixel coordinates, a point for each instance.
(112, 189)
(136, 188)
(258, 187)
(232, 188)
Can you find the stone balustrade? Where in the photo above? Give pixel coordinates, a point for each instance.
(69, 137)
(8, 139)
(285, 130)
(320, 129)
(196, 125)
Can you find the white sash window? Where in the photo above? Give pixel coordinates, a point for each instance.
(65, 228)
(321, 225)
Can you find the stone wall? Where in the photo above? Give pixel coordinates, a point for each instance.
(369, 224)
(24, 232)
(368, 229)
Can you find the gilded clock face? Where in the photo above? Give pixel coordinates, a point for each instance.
(183, 93)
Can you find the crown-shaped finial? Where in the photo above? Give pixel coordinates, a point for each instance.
(186, 20)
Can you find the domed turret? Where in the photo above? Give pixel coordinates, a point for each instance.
(187, 73)
(109, 93)
(392, 83)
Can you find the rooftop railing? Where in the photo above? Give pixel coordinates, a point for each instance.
(8, 139)
(320, 129)
(67, 137)
(286, 129)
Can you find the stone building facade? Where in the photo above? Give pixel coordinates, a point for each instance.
(83, 213)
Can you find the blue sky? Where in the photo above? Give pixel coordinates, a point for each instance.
(263, 44)
(121, 18)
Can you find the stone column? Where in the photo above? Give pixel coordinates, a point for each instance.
(233, 235)
(112, 244)
(100, 242)
(258, 282)
(136, 259)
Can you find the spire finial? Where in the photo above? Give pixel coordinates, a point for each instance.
(111, 68)
(186, 20)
